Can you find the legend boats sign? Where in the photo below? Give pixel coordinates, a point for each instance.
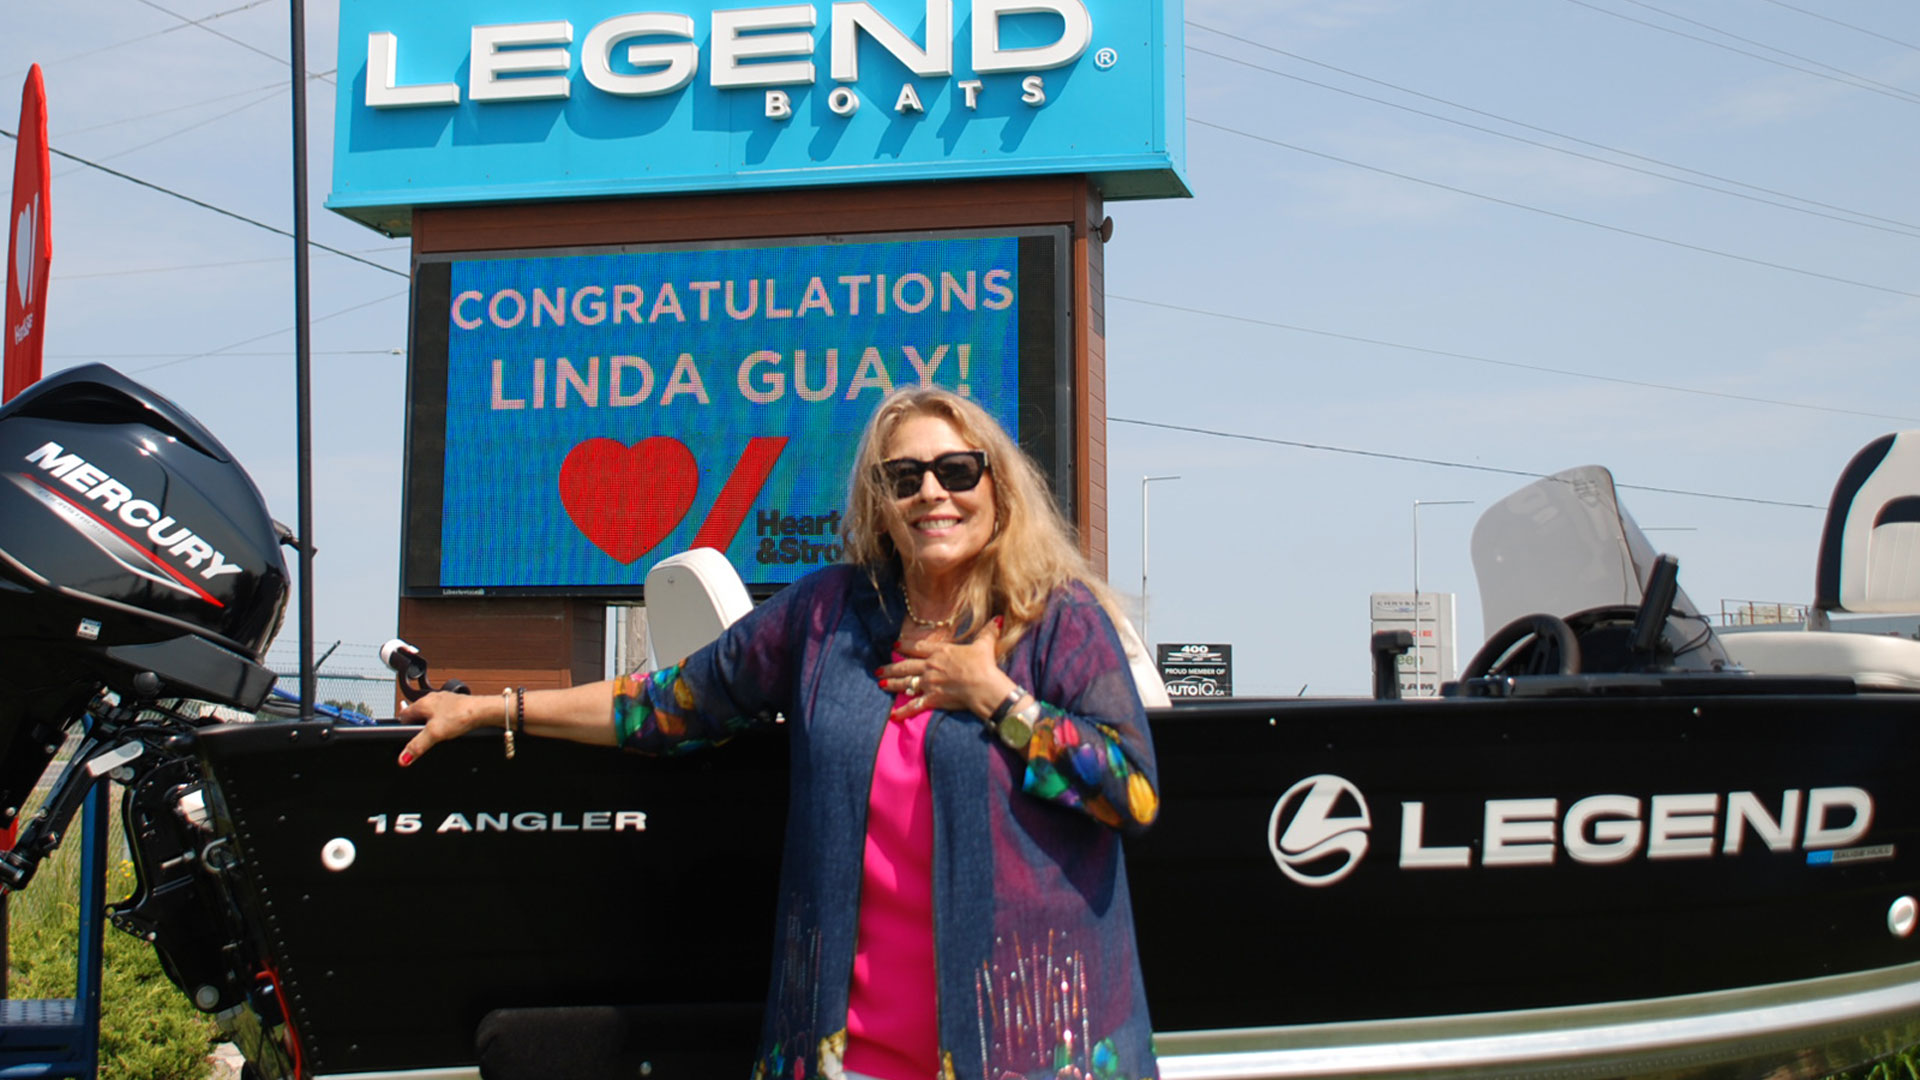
(443, 102)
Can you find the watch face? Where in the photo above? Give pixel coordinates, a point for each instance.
(1015, 731)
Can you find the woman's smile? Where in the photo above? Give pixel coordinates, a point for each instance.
(938, 532)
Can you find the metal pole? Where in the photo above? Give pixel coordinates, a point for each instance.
(1417, 504)
(303, 358)
(1144, 481)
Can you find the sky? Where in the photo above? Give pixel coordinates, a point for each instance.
(1434, 246)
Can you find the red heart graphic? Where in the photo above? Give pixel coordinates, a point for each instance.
(627, 499)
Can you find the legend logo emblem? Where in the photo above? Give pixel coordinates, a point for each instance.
(1318, 830)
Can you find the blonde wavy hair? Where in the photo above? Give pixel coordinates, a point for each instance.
(1032, 551)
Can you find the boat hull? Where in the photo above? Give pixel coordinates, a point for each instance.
(518, 885)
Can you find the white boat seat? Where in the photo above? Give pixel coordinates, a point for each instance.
(1870, 549)
(1872, 661)
(694, 595)
(691, 597)
(1869, 563)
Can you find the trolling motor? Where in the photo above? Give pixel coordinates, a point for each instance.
(406, 662)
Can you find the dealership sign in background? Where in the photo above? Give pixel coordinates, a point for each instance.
(606, 410)
(1196, 671)
(461, 101)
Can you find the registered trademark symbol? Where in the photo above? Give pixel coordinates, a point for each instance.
(1105, 59)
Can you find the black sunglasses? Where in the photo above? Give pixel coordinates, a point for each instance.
(958, 471)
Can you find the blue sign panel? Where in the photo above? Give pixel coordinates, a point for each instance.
(456, 101)
(606, 410)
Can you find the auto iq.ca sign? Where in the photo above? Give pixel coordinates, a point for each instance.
(1196, 671)
(1321, 829)
(446, 101)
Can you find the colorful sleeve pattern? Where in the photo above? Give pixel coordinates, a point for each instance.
(1090, 750)
(739, 681)
(655, 713)
(1081, 763)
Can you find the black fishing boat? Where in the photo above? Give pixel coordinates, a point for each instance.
(1609, 849)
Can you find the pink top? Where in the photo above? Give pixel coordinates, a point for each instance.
(892, 1031)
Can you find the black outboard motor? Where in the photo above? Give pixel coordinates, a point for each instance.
(136, 557)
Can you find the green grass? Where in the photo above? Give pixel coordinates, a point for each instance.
(148, 1029)
(1902, 1066)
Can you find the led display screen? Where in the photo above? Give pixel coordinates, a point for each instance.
(577, 416)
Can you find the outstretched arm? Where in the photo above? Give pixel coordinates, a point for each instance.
(581, 714)
(732, 684)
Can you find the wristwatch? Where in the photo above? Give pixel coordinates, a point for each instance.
(1014, 728)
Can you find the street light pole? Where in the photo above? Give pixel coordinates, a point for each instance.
(1417, 504)
(1144, 481)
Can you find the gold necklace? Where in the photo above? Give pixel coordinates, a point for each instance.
(924, 624)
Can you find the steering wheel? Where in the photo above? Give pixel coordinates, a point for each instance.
(1550, 648)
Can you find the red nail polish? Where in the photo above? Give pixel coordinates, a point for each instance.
(406, 758)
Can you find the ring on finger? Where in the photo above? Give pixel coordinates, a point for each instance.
(913, 685)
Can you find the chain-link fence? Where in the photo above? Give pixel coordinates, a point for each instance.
(347, 676)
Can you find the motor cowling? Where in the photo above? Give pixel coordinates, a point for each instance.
(135, 554)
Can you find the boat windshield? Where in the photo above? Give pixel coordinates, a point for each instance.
(1562, 545)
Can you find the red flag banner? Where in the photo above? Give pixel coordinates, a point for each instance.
(30, 247)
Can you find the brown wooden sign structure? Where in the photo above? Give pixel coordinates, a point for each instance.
(547, 642)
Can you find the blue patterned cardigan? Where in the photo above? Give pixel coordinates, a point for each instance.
(1033, 930)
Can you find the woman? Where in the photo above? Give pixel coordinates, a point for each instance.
(968, 747)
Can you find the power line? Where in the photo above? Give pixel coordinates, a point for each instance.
(1857, 83)
(176, 133)
(1545, 130)
(226, 37)
(1555, 213)
(200, 266)
(173, 109)
(1509, 363)
(1384, 456)
(1847, 25)
(209, 206)
(1770, 48)
(222, 350)
(157, 33)
(1910, 232)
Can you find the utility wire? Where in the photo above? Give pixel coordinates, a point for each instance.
(209, 206)
(267, 93)
(1381, 455)
(68, 134)
(200, 266)
(177, 132)
(1848, 25)
(204, 19)
(1555, 213)
(1770, 48)
(1882, 89)
(222, 350)
(1544, 130)
(280, 60)
(1911, 233)
(1509, 363)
